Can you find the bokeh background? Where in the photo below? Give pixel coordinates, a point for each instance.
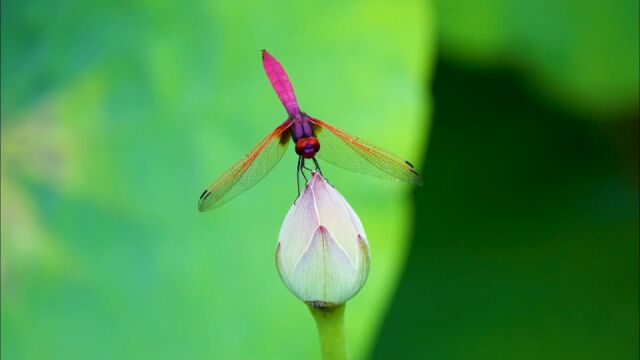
(522, 116)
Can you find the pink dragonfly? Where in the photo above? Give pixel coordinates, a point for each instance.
(338, 148)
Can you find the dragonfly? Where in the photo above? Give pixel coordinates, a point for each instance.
(312, 138)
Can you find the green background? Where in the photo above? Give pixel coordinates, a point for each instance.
(522, 243)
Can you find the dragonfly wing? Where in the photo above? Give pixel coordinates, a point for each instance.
(247, 171)
(350, 153)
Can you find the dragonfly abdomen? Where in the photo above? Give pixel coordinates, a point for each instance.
(280, 82)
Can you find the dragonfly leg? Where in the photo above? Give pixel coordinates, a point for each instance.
(320, 170)
(302, 167)
(317, 166)
(298, 170)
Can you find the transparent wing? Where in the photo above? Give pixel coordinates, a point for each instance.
(353, 154)
(247, 171)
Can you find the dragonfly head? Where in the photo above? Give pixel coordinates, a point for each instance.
(307, 147)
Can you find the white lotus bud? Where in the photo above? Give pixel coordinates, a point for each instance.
(323, 253)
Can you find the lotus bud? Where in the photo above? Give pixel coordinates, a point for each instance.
(323, 253)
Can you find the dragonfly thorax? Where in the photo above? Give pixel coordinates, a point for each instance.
(307, 144)
(307, 147)
(300, 127)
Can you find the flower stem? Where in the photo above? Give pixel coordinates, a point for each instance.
(330, 322)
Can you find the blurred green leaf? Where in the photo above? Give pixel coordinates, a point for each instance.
(583, 54)
(527, 232)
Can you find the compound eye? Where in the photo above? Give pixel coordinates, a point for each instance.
(307, 147)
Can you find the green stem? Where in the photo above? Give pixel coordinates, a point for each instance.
(330, 322)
